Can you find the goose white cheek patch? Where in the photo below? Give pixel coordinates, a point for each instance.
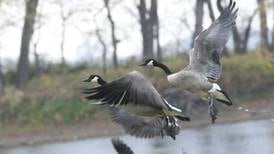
(150, 63)
(95, 79)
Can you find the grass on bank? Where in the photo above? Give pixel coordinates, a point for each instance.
(54, 98)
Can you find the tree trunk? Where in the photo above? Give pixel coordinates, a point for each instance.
(199, 13)
(210, 9)
(219, 6)
(156, 28)
(247, 32)
(272, 46)
(263, 24)
(236, 40)
(1, 71)
(62, 44)
(115, 41)
(37, 61)
(64, 19)
(104, 47)
(159, 50)
(1, 79)
(23, 64)
(146, 29)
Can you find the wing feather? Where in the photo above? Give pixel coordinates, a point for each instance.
(140, 126)
(209, 44)
(130, 88)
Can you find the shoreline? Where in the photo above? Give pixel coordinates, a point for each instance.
(105, 127)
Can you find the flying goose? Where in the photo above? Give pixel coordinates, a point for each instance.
(142, 124)
(204, 67)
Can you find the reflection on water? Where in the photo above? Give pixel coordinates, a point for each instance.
(254, 137)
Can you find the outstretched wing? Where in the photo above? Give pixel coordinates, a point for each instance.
(145, 127)
(130, 88)
(209, 44)
(120, 146)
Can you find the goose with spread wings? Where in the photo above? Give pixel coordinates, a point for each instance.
(204, 67)
(136, 105)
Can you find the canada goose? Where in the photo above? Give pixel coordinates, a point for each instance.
(204, 67)
(140, 124)
(121, 147)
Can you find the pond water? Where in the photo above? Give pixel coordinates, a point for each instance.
(251, 137)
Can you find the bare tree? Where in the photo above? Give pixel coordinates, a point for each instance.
(150, 28)
(29, 21)
(146, 29)
(64, 18)
(114, 39)
(37, 59)
(263, 24)
(199, 14)
(210, 9)
(104, 49)
(1, 70)
(66, 13)
(156, 28)
(272, 46)
(1, 77)
(246, 35)
(35, 42)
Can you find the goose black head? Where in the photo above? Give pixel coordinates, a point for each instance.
(149, 62)
(154, 63)
(95, 78)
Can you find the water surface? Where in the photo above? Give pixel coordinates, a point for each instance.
(252, 137)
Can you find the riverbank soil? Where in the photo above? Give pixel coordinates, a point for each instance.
(10, 136)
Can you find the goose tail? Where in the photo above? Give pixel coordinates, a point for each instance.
(220, 95)
(174, 111)
(223, 97)
(182, 117)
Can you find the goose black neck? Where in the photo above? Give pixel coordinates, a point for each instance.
(102, 82)
(163, 67)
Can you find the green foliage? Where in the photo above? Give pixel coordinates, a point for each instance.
(51, 112)
(54, 98)
(248, 74)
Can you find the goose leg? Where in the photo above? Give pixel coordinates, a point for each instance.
(171, 121)
(212, 109)
(172, 128)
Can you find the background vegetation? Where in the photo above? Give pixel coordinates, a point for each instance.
(53, 98)
(36, 91)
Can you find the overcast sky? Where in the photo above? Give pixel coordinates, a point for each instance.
(80, 45)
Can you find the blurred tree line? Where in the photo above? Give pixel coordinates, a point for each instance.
(39, 91)
(148, 18)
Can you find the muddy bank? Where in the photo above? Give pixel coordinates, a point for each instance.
(104, 127)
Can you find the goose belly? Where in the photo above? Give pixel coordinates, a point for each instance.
(190, 81)
(142, 110)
